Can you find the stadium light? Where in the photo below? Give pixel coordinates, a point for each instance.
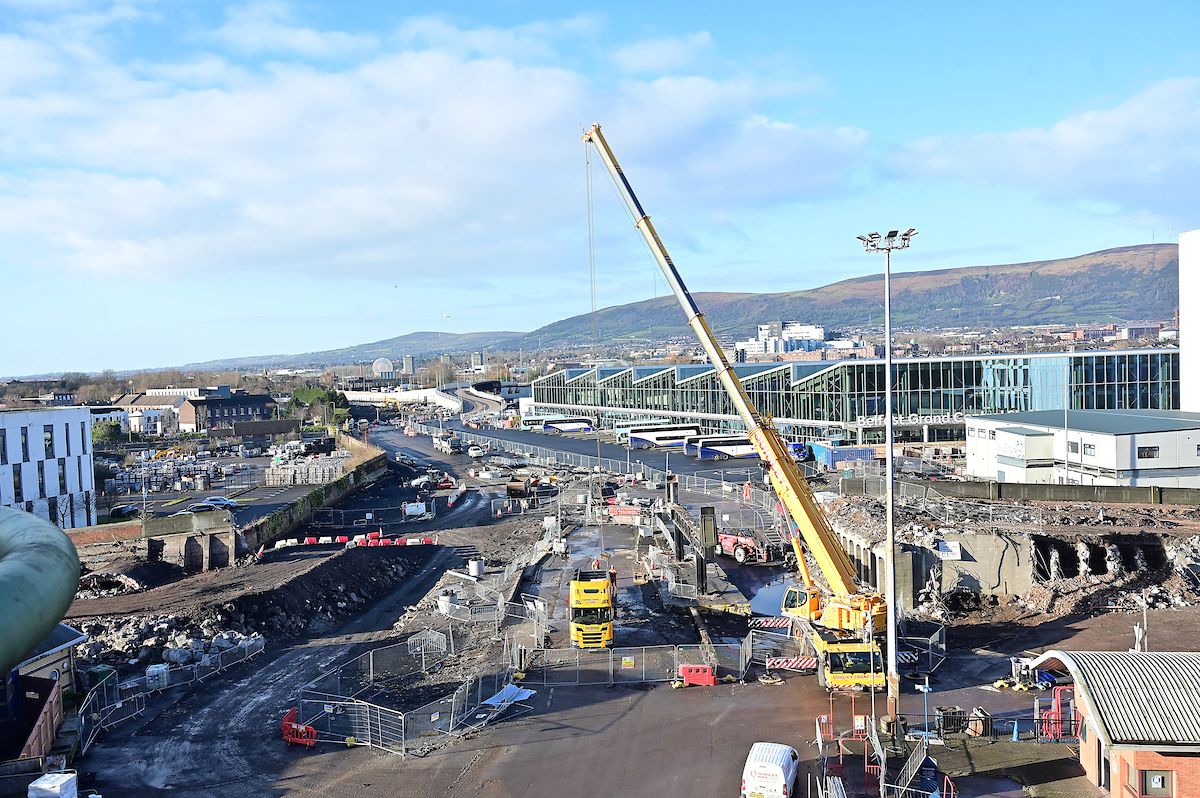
(874, 242)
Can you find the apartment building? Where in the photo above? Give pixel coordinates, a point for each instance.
(46, 464)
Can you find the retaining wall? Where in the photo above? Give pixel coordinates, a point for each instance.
(372, 465)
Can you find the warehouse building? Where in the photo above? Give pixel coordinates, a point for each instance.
(932, 397)
(1087, 447)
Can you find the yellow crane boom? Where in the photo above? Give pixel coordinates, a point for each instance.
(848, 608)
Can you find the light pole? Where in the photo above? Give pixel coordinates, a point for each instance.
(874, 242)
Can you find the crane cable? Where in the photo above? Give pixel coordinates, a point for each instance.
(591, 226)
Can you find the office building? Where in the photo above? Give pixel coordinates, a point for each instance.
(1087, 447)
(46, 464)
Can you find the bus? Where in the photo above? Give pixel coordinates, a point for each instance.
(622, 431)
(659, 437)
(726, 448)
(581, 424)
(536, 423)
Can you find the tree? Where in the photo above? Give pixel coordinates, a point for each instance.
(106, 432)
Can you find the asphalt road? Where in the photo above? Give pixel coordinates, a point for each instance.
(255, 503)
(655, 458)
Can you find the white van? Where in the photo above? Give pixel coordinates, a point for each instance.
(771, 771)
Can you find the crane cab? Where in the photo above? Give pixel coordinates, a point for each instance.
(802, 602)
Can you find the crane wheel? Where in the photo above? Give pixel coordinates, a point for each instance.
(740, 555)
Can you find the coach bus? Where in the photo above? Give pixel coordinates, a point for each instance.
(661, 437)
(726, 448)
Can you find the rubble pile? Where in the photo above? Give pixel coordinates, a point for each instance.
(144, 640)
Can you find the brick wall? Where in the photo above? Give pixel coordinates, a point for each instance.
(1185, 769)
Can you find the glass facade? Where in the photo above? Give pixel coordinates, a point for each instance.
(811, 399)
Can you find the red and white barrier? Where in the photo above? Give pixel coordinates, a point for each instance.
(770, 623)
(792, 663)
(455, 496)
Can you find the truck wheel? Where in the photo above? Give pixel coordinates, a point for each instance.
(740, 554)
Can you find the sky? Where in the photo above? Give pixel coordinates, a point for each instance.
(183, 181)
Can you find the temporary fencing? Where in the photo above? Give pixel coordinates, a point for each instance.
(364, 701)
(574, 666)
(112, 701)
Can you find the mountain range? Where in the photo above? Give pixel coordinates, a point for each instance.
(1113, 285)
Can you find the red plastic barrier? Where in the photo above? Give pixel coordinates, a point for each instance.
(294, 732)
(373, 542)
(310, 541)
(386, 542)
(700, 675)
(342, 539)
(372, 535)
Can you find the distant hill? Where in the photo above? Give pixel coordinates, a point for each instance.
(417, 344)
(1128, 283)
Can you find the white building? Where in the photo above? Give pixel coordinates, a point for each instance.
(1096, 447)
(46, 464)
(1189, 321)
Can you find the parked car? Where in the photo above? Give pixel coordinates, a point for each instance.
(125, 511)
(221, 502)
(200, 507)
(475, 451)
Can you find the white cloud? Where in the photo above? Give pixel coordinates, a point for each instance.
(1143, 154)
(450, 155)
(663, 54)
(266, 26)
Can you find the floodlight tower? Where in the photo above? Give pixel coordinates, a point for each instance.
(874, 242)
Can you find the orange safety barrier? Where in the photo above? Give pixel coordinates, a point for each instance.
(294, 732)
(700, 675)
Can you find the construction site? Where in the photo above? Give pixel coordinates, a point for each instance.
(442, 610)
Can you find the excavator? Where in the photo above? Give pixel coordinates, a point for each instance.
(842, 622)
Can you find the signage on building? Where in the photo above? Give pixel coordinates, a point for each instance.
(911, 418)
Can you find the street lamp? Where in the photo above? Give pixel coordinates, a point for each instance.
(874, 242)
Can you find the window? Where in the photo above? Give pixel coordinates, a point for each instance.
(48, 440)
(41, 479)
(1156, 782)
(83, 438)
(62, 476)
(1131, 775)
(971, 434)
(79, 471)
(87, 506)
(1089, 449)
(1147, 452)
(71, 508)
(1073, 447)
(24, 444)
(52, 510)
(992, 434)
(67, 437)
(17, 491)
(4, 447)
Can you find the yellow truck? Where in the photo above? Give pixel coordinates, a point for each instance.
(593, 605)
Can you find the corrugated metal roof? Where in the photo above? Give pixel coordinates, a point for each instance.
(1139, 698)
(1105, 422)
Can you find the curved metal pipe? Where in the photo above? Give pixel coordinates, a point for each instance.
(39, 573)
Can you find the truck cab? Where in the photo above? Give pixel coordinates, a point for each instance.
(593, 607)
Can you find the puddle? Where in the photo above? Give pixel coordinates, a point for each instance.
(763, 585)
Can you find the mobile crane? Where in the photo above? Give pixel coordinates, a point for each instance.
(835, 623)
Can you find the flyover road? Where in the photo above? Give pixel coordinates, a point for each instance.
(584, 444)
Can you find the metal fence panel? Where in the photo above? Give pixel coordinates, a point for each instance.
(643, 664)
(595, 666)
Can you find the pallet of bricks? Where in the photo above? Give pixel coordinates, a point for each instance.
(310, 471)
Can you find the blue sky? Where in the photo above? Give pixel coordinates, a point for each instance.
(189, 180)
